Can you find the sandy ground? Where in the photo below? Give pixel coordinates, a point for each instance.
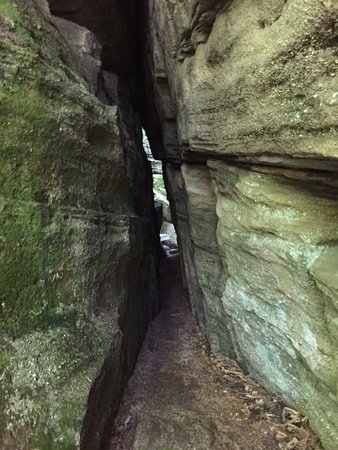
(181, 397)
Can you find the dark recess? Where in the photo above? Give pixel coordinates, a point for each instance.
(120, 28)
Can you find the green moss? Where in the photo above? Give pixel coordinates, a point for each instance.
(48, 378)
(158, 185)
(32, 260)
(25, 103)
(46, 441)
(42, 114)
(10, 10)
(35, 131)
(61, 429)
(22, 116)
(52, 344)
(5, 357)
(55, 344)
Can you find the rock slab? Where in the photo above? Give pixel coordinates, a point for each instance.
(78, 257)
(245, 95)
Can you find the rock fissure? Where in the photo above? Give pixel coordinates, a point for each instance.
(181, 396)
(267, 228)
(240, 103)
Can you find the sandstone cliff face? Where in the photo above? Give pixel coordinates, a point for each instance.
(246, 96)
(78, 256)
(242, 107)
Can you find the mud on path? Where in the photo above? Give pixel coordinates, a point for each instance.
(182, 398)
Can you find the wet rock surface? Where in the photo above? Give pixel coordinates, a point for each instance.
(181, 397)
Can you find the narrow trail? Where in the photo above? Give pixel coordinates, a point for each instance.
(182, 398)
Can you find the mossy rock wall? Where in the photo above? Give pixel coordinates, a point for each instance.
(74, 231)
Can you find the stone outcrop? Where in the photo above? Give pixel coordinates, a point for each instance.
(262, 87)
(245, 95)
(239, 99)
(78, 247)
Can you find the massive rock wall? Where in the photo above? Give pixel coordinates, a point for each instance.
(245, 95)
(78, 256)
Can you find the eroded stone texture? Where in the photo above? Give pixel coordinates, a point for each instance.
(249, 89)
(278, 231)
(77, 266)
(263, 84)
(211, 271)
(242, 106)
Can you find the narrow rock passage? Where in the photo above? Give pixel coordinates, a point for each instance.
(182, 398)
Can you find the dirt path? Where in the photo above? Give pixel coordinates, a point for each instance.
(182, 398)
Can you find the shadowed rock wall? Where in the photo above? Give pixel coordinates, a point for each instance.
(117, 24)
(242, 107)
(245, 95)
(78, 248)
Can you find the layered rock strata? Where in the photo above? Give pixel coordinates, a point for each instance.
(78, 250)
(241, 103)
(245, 94)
